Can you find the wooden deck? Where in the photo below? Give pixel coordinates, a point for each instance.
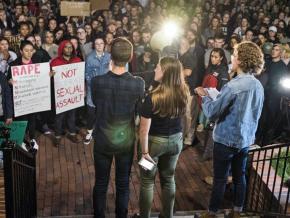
(65, 179)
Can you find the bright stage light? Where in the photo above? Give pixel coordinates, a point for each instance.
(285, 82)
(165, 36)
(170, 29)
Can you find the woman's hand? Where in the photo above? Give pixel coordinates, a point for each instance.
(12, 82)
(200, 91)
(52, 73)
(8, 121)
(148, 157)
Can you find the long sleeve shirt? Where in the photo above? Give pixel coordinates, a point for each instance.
(236, 111)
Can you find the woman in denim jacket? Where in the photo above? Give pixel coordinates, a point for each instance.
(236, 112)
(161, 134)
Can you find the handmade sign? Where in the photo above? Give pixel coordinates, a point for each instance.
(31, 88)
(100, 4)
(68, 8)
(69, 86)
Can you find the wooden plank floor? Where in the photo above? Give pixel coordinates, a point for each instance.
(65, 179)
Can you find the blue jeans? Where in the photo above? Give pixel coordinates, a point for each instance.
(224, 158)
(123, 163)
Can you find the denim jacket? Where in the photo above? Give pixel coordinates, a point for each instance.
(236, 111)
(95, 66)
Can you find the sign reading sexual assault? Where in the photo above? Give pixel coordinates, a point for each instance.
(31, 88)
(69, 86)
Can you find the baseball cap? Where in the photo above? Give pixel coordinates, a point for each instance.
(273, 28)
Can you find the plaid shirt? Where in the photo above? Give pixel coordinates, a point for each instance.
(116, 98)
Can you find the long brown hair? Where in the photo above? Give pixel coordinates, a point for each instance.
(171, 96)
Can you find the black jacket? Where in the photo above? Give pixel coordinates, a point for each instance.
(7, 102)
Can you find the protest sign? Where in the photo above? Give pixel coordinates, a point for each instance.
(31, 88)
(100, 4)
(17, 131)
(68, 8)
(69, 86)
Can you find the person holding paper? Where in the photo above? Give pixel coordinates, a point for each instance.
(66, 55)
(236, 113)
(161, 134)
(26, 51)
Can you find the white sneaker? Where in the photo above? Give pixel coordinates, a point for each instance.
(23, 146)
(34, 144)
(88, 138)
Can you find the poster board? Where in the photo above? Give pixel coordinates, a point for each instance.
(31, 88)
(100, 4)
(69, 86)
(71, 8)
(17, 131)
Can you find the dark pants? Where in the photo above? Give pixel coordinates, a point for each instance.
(91, 117)
(224, 158)
(69, 116)
(103, 163)
(31, 124)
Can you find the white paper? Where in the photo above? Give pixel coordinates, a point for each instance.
(212, 92)
(147, 165)
(31, 88)
(69, 86)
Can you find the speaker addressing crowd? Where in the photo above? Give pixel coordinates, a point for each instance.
(219, 46)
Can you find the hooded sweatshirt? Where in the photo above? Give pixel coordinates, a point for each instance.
(59, 60)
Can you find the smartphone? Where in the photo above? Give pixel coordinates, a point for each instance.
(147, 165)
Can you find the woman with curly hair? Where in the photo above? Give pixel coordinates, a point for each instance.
(236, 112)
(161, 134)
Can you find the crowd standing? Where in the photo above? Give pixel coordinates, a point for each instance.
(112, 42)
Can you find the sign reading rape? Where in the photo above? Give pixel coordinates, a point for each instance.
(69, 86)
(31, 88)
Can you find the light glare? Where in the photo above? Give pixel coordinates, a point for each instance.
(171, 29)
(286, 83)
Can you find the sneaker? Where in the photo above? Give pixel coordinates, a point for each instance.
(200, 128)
(73, 138)
(46, 130)
(88, 138)
(34, 144)
(56, 141)
(23, 146)
(26, 146)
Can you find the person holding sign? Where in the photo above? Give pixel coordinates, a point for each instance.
(26, 51)
(66, 55)
(97, 64)
(115, 96)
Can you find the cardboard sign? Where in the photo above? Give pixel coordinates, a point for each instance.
(68, 8)
(17, 131)
(69, 86)
(31, 89)
(100, 4)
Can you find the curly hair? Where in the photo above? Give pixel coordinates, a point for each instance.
(250, 56)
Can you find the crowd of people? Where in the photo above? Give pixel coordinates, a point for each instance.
(209, 52)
